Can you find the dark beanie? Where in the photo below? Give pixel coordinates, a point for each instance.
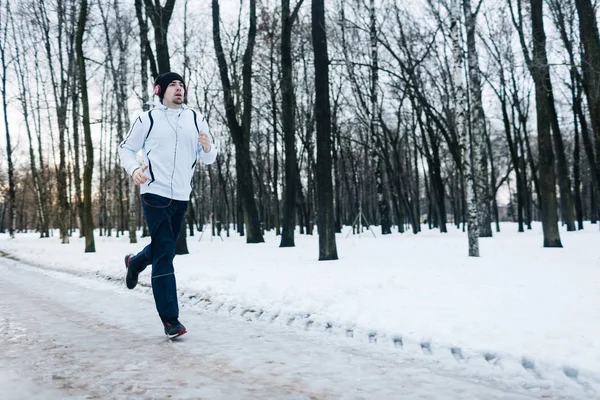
(163, 81)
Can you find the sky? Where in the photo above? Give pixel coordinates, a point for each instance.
(518, 309)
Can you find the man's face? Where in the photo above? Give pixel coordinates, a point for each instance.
(174, 95)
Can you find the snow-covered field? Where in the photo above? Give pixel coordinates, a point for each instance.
(519, 304)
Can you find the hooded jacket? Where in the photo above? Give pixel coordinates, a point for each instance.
(168, 140)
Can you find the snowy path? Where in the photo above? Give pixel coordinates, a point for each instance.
(71, 337)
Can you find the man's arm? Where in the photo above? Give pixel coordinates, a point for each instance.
(131, 145)
(207, 157)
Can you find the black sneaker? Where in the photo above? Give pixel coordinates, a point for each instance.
(174, 328)
(131, 279)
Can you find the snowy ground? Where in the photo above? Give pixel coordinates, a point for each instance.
(415, 310)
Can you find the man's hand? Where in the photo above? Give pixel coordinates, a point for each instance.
(204, 141)
(138, 175)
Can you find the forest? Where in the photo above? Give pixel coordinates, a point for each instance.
(385, 114)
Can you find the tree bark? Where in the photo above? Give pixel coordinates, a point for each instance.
(288, 119)
(590, 38)
(577, 177)
(89, 148)
(325, 211)
(75, 120)
(275, 125)
(481, 179)
(9, 153)
(541, 78)
(146, 53)
(462, 131)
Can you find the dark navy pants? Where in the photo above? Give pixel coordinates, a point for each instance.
(164, 218)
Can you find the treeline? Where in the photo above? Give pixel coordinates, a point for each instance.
(399, 113)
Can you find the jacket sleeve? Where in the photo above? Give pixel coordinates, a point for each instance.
(210, 156)
(132, 144)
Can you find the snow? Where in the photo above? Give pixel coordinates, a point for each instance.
(528, 309)
(76, 337)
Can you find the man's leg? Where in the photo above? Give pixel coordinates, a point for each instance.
(163, 274)
(141, 260)
(160, 252)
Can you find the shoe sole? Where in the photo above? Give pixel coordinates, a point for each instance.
(181, 332)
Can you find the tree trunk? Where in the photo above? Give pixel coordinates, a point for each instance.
(326, 215)
(288, 118)
(89, 147)
(590, 38)
(561, 164)
(9, 153)
(274, 119)
(43, 186)
(240, 132)
(436, 215)
(336, 171)
(437, 183)
(75, 120)
(160, 17)
(577, 178)
(146, 53)
(541, 78)
(478, 132)
(461, 128)
(564, 181)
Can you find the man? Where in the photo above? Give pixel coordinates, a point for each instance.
(172, 137)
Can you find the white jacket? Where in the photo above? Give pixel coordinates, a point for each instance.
(168, 139)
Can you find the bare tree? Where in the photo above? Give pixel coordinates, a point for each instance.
(60, 88)
(22, 71)
(375, 124)
(325, 211)
(590, 38)
(541, 77)
(268, 27)
(366, 90)
(146, 53)
(116, 65)
(559, 158)
(478, 128)
(90, 246)
(558, 10)
(288, 118)
(75, 122)
(4, 24)
(499, 48)
(461, 128)
(240, 133)
(160, 17)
